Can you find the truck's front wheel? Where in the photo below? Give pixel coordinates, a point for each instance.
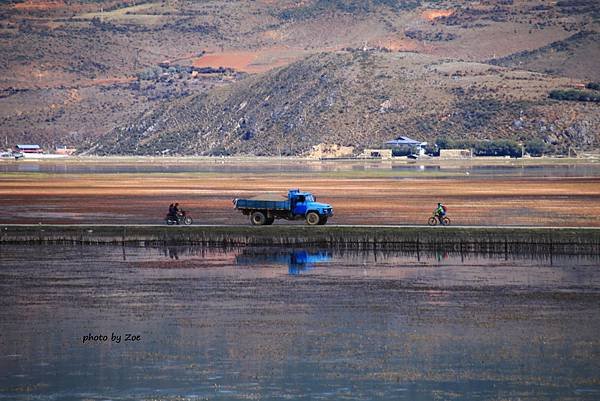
(258, 218)
(312, 218)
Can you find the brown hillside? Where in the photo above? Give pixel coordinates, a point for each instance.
(116, 54)
(361, 98)
(576, 57)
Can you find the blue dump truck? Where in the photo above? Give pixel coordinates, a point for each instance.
(298, 206)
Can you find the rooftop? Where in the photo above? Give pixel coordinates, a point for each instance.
(404, 140)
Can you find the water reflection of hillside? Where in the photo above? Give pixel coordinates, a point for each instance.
(199, 255)
(308, 257)
(443, 270)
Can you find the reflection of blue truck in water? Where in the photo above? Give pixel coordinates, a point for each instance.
(302, 260)
(298, 206)
(298, 261)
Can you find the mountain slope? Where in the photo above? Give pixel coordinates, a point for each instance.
(575, 57)
(73, 71)
(360, 98)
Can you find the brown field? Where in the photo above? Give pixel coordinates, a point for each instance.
(240, 61)
(39, 5)
(361, 197)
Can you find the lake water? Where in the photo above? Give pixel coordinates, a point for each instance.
(300, 324)
(509, 168)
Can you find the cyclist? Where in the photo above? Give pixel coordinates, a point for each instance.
(440, 212)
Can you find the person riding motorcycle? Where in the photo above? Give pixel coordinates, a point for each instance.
(174, 212)
(178, 216)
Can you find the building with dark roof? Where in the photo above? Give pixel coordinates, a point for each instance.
(405, 141)
(29, 149)
(416, 147)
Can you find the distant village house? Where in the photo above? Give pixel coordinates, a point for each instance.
(63, 150)
(413, 146)
(330, 151)
(29, 149)
(384, 154)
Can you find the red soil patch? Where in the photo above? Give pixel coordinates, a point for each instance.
(39, 5)
(239, 61)
(430, 15)
(399, 45)
(248, 61)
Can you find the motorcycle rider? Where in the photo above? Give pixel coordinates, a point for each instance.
(177, 215)
(172, 215)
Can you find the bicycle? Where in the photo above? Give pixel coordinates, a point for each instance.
(433, 220)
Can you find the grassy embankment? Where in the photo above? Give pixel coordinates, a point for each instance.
(462, 239)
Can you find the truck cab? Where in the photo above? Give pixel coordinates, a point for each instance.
(304, 203)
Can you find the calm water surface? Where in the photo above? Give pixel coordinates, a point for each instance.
(149, 165)
(304, 324)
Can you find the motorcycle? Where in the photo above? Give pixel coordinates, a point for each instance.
(181, 218)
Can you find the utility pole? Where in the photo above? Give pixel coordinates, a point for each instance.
(522, 150)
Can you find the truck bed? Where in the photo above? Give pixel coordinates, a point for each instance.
(262, 204)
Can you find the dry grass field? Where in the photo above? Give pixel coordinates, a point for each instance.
(359, 196)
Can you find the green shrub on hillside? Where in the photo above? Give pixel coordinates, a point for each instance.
(574, 95)
(464, 144)
(443, 142)
(149, 74)
(593, 86)
(499, 147)
(345, 6)
(536, 147)
(219, 151)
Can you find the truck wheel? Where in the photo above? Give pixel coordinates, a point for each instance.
(270, 221)
(258, 218)
(312, 218)
(323, 220)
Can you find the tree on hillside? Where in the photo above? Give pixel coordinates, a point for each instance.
(536, 147)
(442, 142)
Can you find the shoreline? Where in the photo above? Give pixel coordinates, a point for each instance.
(498, 239)
(492, 160)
